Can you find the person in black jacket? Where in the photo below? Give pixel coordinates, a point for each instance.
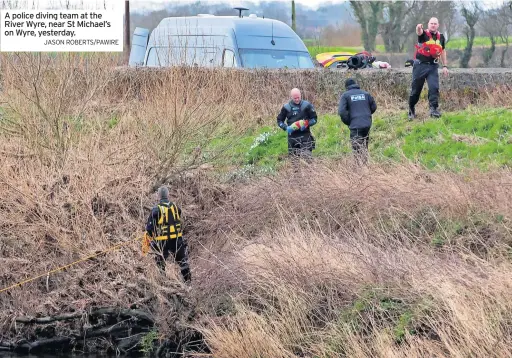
(356, 108)
(296, 117)
(430, 49)
(163, 226)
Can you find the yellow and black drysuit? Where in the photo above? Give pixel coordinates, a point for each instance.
(164, 227)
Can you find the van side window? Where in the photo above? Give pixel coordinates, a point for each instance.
(191, 56)
(228, 59)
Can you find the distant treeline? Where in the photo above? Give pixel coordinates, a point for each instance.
(309, 21)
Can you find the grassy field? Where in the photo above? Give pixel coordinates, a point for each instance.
(454, 142)
(480, 41)
(453, 44)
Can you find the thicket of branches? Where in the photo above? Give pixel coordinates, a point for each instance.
(395, 22)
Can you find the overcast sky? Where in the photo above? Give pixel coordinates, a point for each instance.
(310, 3)
(149, 4)
(158, 4)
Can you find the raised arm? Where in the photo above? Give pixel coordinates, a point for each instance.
(419, 29)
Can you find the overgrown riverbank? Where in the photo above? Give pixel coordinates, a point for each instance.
(411, 256)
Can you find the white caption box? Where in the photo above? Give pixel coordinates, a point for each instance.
(61, 30)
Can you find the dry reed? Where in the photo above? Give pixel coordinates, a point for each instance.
(331, 261)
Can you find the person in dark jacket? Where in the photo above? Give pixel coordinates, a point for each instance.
(356, 108)
(297, 117)
(430, 48)
(163, 226)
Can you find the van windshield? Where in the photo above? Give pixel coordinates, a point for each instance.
(256, 58)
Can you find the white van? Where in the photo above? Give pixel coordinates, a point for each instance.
(220, 41)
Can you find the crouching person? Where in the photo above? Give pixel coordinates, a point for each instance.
(297, 117)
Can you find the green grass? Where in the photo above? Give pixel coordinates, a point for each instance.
(480, 41)
(453, 142)
(453, 44)
(460, 140)
(309, 42)
(258, 150)
(378, 308)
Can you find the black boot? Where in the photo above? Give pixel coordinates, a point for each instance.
(434, 112)
(185, 271)
(160, 262)
(187, 275)
(412, 113)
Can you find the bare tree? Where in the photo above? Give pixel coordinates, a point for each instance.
(471, 13)
(505, 29)
(445, 11)
(491, 26)
(395, 29)
(447, 17)
(369, 15)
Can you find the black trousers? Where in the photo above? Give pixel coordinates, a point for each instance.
(360, 138)
(301, 146)
(179, 249)
(420, 73)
